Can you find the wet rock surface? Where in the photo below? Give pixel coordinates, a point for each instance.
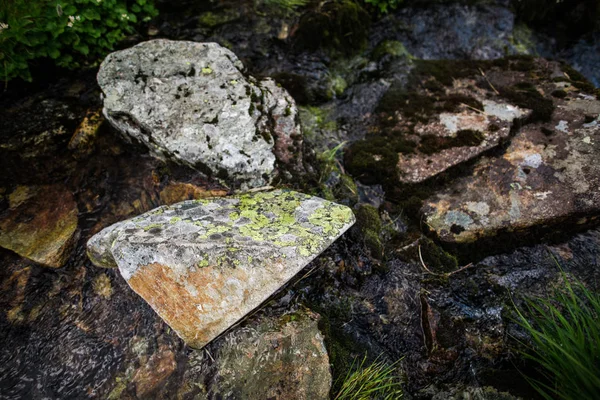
(275, 358)
(546, 176)
(192, 102)
(204, 264)
(39, 223)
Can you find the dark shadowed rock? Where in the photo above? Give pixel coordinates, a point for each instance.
(192, 102)
(40, 223)
(204, 264)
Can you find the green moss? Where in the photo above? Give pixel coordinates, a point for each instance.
(431, 144)
(526, 95)
(434, 257)
(560, 94)
(371, 160)
(391, 48)
(369, 224)
(212, 19)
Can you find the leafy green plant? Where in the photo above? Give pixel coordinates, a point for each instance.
(384, 6)
(71, 32)
(373, 381)
(565, 332)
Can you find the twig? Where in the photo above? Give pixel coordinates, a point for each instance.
(423, 262)
(473, 108)
(469, 265)
(488, 81)
(445, 275)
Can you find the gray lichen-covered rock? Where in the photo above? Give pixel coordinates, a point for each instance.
(192, 102)
(548, 175)
(204, 264)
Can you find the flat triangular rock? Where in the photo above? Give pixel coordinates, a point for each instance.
(204, 264)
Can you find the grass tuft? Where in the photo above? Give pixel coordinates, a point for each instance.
(565, 331)
(374, 381)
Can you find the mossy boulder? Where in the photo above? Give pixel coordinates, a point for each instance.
(204, 264)
(445, 115)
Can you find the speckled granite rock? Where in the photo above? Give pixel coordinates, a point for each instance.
(204, 264)
(548, 175)
(40, 223)
(193, 103)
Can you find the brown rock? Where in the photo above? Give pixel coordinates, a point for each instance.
(40, 224)
(175, 192)
(548, 175)
(155, 372)
(82, 138)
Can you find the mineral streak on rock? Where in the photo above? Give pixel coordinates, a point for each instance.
(40, 224)
(549, 174)
(192, 102)
(204, 264)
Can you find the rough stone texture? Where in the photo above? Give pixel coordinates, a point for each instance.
(542, 179)
(282, 358)
(494, 125)
(193, 103)
(204, 264)
(40, 223)
(450, 31)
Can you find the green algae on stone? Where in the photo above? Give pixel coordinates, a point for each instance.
(205, 264)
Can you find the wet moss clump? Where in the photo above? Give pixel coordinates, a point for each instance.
(374, 159)
(434, 257)
(579, 81)
(526, 95)
(336, 26)
(431, 144)
(559, 94)
(368, 222)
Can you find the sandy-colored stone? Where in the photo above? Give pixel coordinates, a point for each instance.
(40, 224)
